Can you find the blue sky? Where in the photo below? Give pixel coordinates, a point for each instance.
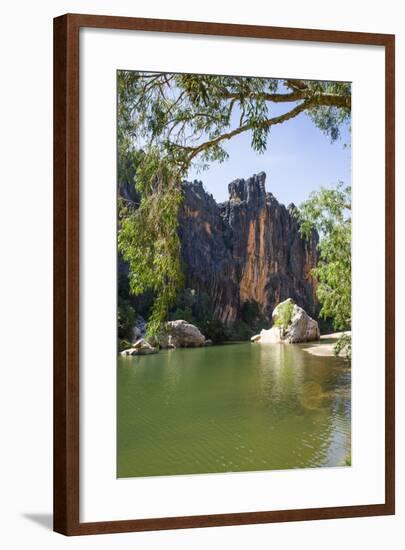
(299, 159)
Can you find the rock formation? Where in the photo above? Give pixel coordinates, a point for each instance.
(246, 249)
(180, 334)
(141, 347)
(300, 327)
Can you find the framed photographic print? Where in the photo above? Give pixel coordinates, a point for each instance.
(223, 274)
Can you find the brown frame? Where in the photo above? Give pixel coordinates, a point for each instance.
(66, 273)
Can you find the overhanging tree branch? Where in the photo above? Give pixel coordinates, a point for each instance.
(323, 99)
(194, 151)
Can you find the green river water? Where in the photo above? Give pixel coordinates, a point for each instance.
(236, 407)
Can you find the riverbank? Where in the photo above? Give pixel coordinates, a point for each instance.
(326, 345)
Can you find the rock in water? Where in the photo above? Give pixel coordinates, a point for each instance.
(180, 334)
(141, 347)
(301, 327)
(270, 336)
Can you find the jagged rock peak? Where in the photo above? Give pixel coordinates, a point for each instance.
(251, 190)
(195, 183)
(196, 195)
(196, 186)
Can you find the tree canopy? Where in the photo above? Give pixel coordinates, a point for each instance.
(329, 211)
(167, 123)
(185, 116)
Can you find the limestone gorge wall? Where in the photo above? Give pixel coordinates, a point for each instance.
(247, 248)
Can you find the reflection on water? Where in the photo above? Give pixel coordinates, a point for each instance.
(238, 407)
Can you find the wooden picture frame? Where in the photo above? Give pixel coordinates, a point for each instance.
(67, 283)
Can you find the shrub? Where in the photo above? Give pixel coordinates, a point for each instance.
(252, 315)
(126, 319)
(239, 331)
(214, 330)
(183, 314)
(344, 346)
(284, 315)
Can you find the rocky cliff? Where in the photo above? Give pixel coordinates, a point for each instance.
(246, 249)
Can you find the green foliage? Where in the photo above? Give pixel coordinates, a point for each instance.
(252, 315)
(126, 314)
(126, 319)
(344, 346)
(215, 330)
(166, 123)
(329, 211)
(185, 115)
(183, 314)
(284, 315)
(148, 239)
(329, 118)
(219, 332)
(193, 305)
(197, 308)
(240, 331)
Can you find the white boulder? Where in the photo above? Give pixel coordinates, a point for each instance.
(300, 328)
(141, 347)
(270, 336)
(180, 334)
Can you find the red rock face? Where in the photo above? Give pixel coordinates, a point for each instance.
(248, 248)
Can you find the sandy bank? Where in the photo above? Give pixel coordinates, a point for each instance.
(325, 348)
